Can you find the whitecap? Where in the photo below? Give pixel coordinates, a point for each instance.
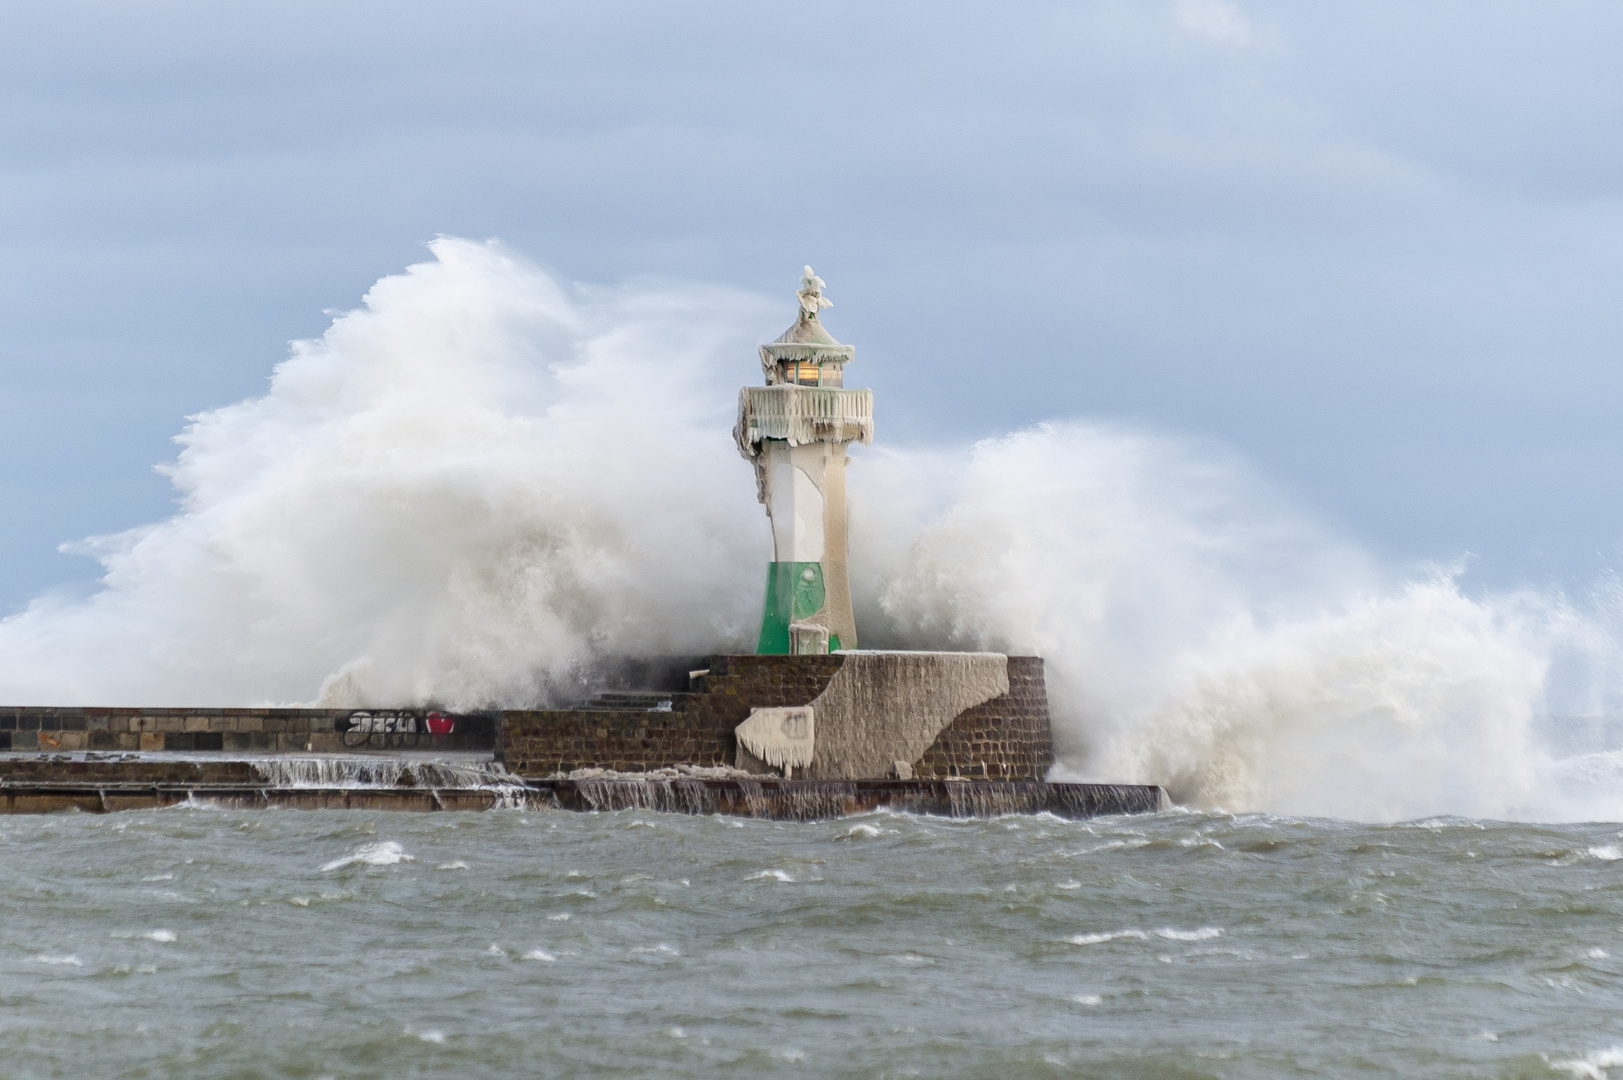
(660, 948)
(1205, 933)
(676, 1033)
(383, 853)
(1069, 885)
(299, 901)
(58, 961)
(429, 1035)
(1200, 841)
(562, 916)
(495, 950)
(541, 955)
(1099, 939)
(457, 865)
(164, 936)
(1598, 954)
(862, 830)
(771, 875)
(1086, 999)
(1607, 853)
(1592, 1066)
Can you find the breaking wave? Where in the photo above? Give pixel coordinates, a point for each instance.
(1201, 635)
(483, 486)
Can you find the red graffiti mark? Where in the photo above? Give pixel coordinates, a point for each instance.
(440, 724)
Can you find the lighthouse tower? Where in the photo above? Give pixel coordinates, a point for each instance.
(795, 430)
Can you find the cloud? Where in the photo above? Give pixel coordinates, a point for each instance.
(1215, 20)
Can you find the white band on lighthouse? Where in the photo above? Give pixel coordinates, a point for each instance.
(794, 430)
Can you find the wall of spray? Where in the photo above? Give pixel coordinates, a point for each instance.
(483, 486)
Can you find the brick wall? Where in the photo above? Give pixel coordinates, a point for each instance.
(1007, 738)
(264, 730)
(698, 730)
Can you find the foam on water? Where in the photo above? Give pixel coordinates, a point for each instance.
(1592, 1066)
(484, 487)
(1099, 939)
(771, 875)
(160, 936)
(1205, 933)
(382, 853)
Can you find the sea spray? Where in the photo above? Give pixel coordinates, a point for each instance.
(482, 486)
(466, 492)
(1201, 635)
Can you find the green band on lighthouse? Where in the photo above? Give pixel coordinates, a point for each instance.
(794, 592)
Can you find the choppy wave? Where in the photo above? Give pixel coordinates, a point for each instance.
(1347, 950)
(382, 853)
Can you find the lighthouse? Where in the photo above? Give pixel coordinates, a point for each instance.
(794, 430)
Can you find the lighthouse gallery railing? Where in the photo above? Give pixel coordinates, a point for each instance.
(802, 414)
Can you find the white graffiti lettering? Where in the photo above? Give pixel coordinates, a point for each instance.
(383, 723)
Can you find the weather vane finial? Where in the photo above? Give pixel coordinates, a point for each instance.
(811, 295)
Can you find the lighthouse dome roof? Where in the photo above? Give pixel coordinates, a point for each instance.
(807, 340)
(807, 330)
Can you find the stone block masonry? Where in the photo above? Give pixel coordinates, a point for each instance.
(1004, 738)
(245, 730)
(693, 727)
(1007, 738)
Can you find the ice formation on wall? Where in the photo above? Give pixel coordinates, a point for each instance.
(782, 737)
(885, 707)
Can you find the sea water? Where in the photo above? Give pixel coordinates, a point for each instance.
(210, 943)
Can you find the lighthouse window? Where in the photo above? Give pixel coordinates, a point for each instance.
(806, 373)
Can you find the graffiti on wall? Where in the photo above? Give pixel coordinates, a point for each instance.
(362, 724)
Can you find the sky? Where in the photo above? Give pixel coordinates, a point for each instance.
(1374, 249)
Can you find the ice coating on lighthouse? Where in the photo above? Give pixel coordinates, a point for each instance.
(794, 430)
